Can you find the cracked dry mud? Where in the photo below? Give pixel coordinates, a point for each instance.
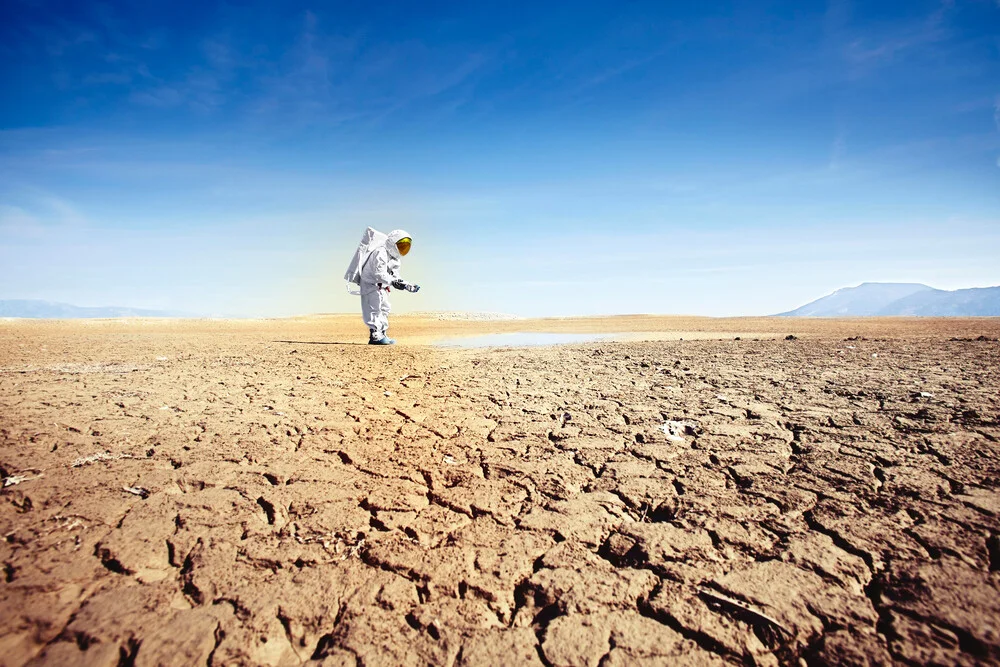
(255, 494)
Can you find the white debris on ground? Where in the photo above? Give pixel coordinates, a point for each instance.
(17, 479)
(100, 456)
(676, 430)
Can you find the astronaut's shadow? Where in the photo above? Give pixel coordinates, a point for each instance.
(316, 342)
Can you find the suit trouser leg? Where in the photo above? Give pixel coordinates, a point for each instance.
(384, 309)
(371, 313)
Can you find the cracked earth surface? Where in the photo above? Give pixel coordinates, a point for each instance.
(254, 495)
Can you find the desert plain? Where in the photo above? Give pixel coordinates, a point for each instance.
(700, 491)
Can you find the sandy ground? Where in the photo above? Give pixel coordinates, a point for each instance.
(273, 493)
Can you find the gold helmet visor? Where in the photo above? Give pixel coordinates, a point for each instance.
(403, 245)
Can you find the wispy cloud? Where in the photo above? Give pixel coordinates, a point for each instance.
(37, 215)
(331, 79)
(17, 223)
(838, 150)
(99, 78)
(160, 96)
(880, 49)
(879, 45)
(611, 73)
(62, 37)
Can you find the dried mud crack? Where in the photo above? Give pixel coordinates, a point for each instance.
(765, 502)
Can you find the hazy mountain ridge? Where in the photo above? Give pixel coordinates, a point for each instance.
(972, 302)
(903, 299)
(37, 309)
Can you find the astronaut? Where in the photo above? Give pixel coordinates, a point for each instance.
(380, 272)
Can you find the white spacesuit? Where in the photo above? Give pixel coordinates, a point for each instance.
(377, 273)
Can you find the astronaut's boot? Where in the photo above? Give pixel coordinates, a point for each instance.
(379, 339)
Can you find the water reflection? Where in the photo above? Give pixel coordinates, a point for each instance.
(521, 339)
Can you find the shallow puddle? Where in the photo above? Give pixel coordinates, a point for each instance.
(522, 339)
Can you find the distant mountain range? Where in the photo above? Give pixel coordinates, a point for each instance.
(49, 310)
(903, 300)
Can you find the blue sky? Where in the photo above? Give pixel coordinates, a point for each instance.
(547, 158)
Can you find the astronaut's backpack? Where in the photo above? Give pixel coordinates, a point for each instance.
(370, 241)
